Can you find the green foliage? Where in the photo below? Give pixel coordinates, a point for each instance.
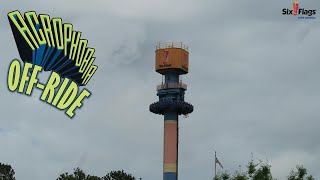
(300, 174)
(260, 171)
(118, 175)
(263, 173)
(78, 174)
(251, 168)
(225, 176)
(222, 176)
(240, 176)
(255, 171)
(6, 172)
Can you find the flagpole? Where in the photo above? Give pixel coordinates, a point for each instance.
(215, 165)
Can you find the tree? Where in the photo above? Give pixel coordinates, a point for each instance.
(118, 175)
(260, 171)
(300, 174)
(79, 174)
(263, 173)
(6, 172)
(251, 169)
(240, 176)
(222, 176)
(255, 171)
(225, 175)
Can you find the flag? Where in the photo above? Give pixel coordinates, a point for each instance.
(217, 161)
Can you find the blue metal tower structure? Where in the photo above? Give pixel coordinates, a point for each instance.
(172, 60)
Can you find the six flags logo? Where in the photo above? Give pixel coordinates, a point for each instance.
(295, 6)
(299, 11)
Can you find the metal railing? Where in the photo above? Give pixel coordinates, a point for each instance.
(172, 85)
(172, 45)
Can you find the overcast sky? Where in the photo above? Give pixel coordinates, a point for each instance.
(253, 80)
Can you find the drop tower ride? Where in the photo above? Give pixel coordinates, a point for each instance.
(172, 60)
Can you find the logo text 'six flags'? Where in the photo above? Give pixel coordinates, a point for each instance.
(300, 12)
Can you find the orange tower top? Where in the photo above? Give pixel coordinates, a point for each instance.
(172, 57)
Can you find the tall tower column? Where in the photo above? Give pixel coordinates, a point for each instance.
(171, 126)
(171, 61)
(170, 160)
